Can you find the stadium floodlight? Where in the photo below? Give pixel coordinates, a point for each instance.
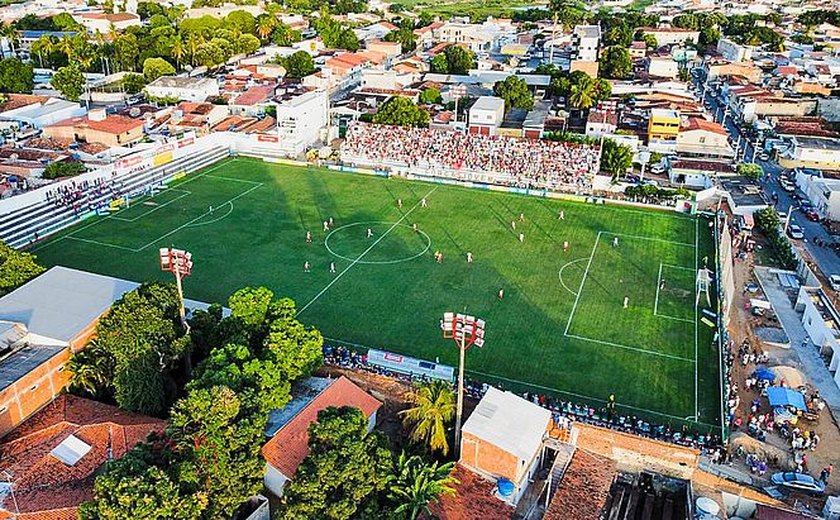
(466, 331)
(179, 263)
(457, 91)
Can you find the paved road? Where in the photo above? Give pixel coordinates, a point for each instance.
(826, 258)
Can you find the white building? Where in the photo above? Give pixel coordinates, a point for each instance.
(734, 52)
(812, 152)
(663, 68)
(40, 114)
(301, 119)
(672, 35)
(822, 323)
(103, 22)
(504, 438)
(184, 89)
(586, 40)
(486, 114)
(823, 193)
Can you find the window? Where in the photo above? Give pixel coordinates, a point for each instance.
(61, 368)
(702, 140)
(33, 388)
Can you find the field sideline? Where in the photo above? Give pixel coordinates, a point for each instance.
(561, 326)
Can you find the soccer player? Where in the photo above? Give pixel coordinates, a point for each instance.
(332, 267)
(399, 203)
(306, 266)
(615, 241)
(512, 224)
(308, 237)
(369, 233)
(210, 210)
(522, 237)
(423, 203)
(501, 294)
(331, 223)
(626, 302)
(522, 217)
(326, 226)
(565, 246)
(469, 257)
(562, 215)
(662, 284)
(415, 228)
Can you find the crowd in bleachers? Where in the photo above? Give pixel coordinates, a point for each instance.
(563, 411)
(524, 163)
(80, 194)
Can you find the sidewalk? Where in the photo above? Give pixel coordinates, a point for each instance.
(810, 362)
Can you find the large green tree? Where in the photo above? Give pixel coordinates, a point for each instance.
(454, 60)
(298, 65)
(615, 63)
(16, 76)
(515, 92)
(401, 111)
(415, 485)
(69, 81)
(616, 158)
(16, 268)
(153, 68)
(346, 466)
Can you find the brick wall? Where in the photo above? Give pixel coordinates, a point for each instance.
(33, 391)
(487, 458)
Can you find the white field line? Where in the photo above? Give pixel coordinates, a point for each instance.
(658, 285)
(626, 347)
(582, 281)
(650, 239)
(115, 216)
(696, 325)
(365, 252)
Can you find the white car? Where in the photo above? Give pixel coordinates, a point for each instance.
(834, 281)
(657, 169)
(795, 232)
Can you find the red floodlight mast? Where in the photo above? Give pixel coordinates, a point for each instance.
(466, 331)
(179, 263)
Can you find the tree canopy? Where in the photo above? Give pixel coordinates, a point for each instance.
(454, 60)
(515, 92)
(16, 268)
(298, 65)
(16, 76)
(615, 63)
(401, 111)
(70, 82)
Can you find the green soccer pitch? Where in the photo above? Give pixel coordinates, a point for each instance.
(561, 327)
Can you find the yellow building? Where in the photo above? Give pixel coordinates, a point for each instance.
(664, 125)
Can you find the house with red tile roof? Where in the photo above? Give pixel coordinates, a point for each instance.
(700, 137)
(51, 459)
(253, 100)
(289, 445)
(98, 127)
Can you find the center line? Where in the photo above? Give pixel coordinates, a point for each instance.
(365, 252)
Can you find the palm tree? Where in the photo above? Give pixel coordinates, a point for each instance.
(582, 95)
(616, 159)
(43, 45)
(66, 46)
(414, 485)
(265, 25)
(91, 369)
(177, 51)
(193, 43)
(9, 32)
(434, 406)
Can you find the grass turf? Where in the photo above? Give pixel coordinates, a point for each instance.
(561, 327)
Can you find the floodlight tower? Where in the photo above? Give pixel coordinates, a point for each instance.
(466, 331)
(179, 263)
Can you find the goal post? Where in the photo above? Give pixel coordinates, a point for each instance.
(703, 285)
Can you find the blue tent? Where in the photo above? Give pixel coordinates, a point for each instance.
(765, 374)
(786, 397)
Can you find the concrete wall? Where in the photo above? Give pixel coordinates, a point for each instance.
(274, 481)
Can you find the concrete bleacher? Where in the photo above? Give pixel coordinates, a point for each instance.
(18, 228)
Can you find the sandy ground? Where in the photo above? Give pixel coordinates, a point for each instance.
(828, 451)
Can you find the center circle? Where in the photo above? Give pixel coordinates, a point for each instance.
(390, 243)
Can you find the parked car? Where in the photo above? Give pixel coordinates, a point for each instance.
(764, 156)
(812, 215)
(834, 281)
(795, 232)
(798, 481)
(657, 169)
(632, 178)
(787, 186)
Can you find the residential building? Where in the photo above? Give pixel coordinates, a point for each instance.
(662, 67)
(637, 50)
(301, 119)
(289, 426)
(252, 102)
(663, 129)
(198, 117)
(98, 127)
(822, 323)
(503, 438)
(812, 152)
(697, 173)
(104, 22)
(722, 68)
(183, 89)
(667, 36)
(486, 115)
(38, 111)
(387, 79)
(734, 52)
(50, 461)
(601, 122)
(586, 43)
(389, 49)
(822, 192)
(700, 137)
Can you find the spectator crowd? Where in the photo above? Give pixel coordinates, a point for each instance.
(523, 163)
